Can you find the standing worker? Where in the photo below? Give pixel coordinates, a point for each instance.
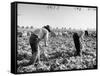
(77, 44)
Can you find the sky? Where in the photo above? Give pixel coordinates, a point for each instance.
(56, 16)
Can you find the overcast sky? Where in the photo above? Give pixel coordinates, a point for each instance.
(40, 15)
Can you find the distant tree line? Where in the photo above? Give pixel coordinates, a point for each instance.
(27, 27)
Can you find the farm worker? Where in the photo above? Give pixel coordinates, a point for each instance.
(36, 36)
(76, 43)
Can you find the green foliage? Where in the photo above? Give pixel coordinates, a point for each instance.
(60, 54)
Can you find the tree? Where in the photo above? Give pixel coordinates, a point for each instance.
(27, 27)
(22, 27)
(18, 26)
(31, 27)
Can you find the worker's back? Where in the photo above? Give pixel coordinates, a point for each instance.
(41, 33)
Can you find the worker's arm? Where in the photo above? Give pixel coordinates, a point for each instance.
(46, 39)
